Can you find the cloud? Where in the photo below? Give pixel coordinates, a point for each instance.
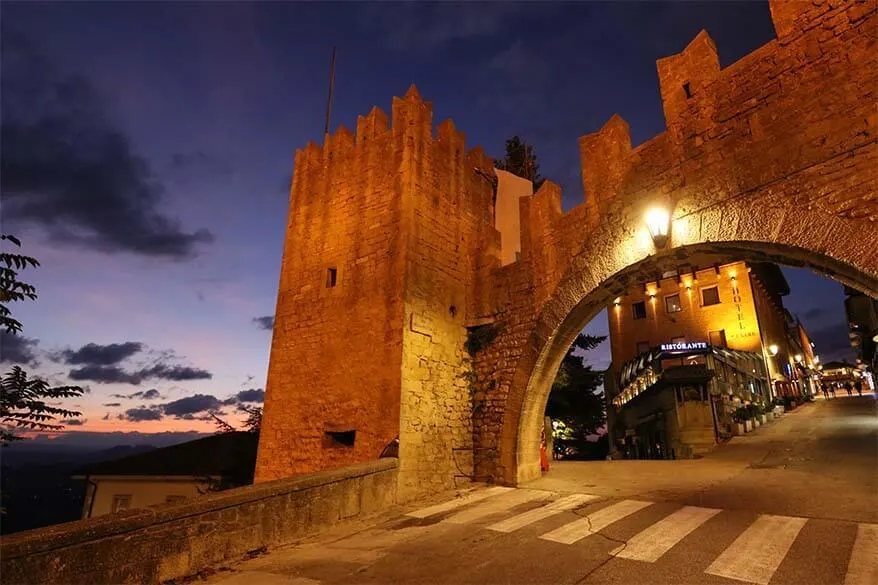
(151, 394)
(832, 342)
(74, 422)
(815, 312)
(116, 375)
(106, 416)
(199, 159)
(251, 395)
(414, 25)
(191, 405)
(141, 414)
(69, 169)
(17, 349)
(104, 375)
(266, 323)
(111, 404)
(101, 355)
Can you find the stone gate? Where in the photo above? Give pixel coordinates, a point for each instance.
(393, 256)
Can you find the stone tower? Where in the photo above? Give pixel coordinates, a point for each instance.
(387, 231)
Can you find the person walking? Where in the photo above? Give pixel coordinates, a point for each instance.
(848, 388)
(859, 387)
(825, 391)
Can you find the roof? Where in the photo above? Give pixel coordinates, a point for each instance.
(772, 277)
(227, 454)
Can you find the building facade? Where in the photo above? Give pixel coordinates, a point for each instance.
(689, 349)
(862, 315)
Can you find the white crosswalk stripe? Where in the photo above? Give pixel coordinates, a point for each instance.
(758, 551)
(863, 565)
(496, 505)
(594, 522)
(468, 498)
(650, 544)
(525, 518)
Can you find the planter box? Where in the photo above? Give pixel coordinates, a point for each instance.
(738, 429)
(769, 415)
(748, 426)
(763, 419)
(756, 423)
(792, 404)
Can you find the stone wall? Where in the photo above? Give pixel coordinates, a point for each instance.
(773, 158)
(153, 545)
(406, 221)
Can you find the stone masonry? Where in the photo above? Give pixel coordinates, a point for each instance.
(773, 158)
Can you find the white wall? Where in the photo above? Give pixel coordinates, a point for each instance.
(506, 213)
(144, 491)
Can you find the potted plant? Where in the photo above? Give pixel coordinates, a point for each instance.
(753, 415)
(763, 413)
(738, 421)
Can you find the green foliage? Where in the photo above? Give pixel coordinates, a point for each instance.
(480, 337)
(23, 400)
(521, 160)
(12, 289)
(23, 404)
(252, 424)
(573, 400)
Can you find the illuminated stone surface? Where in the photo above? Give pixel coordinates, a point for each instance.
(772, 158)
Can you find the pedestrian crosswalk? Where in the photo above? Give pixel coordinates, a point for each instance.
(754, 556)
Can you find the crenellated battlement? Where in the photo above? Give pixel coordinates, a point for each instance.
(411, 118)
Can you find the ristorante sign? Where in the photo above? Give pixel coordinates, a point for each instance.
(695, 345)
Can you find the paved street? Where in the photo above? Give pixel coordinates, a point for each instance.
(795, 502)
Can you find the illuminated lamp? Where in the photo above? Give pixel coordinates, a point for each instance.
(658, 221)
(773, 349)
(798, 357)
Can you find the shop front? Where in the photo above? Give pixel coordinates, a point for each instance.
(677, 400)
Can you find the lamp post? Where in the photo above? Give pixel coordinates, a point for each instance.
(658, 221)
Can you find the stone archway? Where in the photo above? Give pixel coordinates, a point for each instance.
(757, 161)
(578, 300)
(392, 252)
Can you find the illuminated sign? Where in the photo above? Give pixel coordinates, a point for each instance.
(683, 346)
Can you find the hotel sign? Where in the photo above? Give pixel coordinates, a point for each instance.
(693, 346)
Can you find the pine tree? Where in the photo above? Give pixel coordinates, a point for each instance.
(23, 400)
(521, 160)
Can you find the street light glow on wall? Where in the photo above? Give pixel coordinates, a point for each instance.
(773, 349)
(798, 357)
(658, 222)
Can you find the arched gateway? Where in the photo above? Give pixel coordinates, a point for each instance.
(392, 255)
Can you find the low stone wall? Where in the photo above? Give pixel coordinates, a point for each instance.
(157, 544)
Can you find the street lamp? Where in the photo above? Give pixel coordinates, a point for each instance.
(798, 357)
(658, 221)
(773, 349)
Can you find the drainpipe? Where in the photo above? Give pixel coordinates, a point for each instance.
(94, 493)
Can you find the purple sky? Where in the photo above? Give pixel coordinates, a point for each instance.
(148, 149)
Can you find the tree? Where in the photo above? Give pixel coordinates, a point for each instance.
(521, 160)
(252, 424)
(573, 400)
(23, 400)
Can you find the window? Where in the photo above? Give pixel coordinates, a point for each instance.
(672, 303)
(341, 438)
(678, 340)
(120, 503)
(331, 276)
(642, 346)
(709, 296)
(718, 338)
(688, 89)
(174, 499)
(639, 310)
